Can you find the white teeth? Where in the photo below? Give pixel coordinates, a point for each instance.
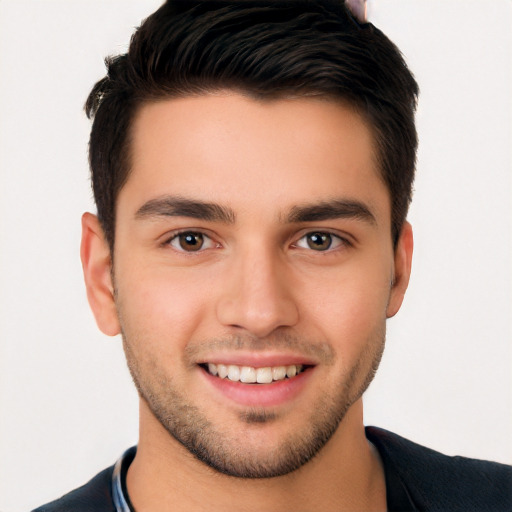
(278, 372)
(291, 371)
(222, 370)
(247, 375)
(264, 375)
(250, 375)
(233, 372)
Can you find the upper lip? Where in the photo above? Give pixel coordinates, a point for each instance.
(257, 360)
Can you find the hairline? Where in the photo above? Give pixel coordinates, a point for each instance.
(274, 96)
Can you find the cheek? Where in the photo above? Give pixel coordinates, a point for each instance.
(351, 308)
(164, 308)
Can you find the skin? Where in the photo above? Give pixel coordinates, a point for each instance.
(257, 290)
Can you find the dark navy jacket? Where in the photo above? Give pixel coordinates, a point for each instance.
(433, 482)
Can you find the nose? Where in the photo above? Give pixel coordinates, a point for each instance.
(257, 295)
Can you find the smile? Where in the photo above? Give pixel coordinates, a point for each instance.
(252, 375)
(271, 383)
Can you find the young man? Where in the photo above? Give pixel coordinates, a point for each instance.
(252, 165)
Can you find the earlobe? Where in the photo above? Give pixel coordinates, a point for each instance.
(96, 265)
(402, 263)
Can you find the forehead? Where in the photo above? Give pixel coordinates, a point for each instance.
(245, 153)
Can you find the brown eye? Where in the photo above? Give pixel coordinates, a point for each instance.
(322, 241)
(319, 241)
(190, 241)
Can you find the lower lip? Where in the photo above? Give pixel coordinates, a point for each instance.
(260, 395)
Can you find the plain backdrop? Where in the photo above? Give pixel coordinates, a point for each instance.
(68, 408)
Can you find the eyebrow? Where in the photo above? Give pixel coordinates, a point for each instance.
(171, 206)
(174, 206)
(329, 210)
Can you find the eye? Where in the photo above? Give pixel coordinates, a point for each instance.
(191, 241)
(320, 241)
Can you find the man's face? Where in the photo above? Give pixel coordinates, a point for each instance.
(252, 238)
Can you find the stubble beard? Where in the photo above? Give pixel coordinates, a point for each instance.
(187, 424)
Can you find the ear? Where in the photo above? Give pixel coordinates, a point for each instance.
(402, 270)
(97, 266)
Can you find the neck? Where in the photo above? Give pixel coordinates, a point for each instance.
(345, 475)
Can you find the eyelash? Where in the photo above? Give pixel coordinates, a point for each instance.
(336, 240)
(176, 238)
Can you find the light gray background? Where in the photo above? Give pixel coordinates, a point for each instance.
(68, 408)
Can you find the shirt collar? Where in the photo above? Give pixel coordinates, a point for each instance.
(119, 495)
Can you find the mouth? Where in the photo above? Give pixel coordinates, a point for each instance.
(254, 375)
(261, 380)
